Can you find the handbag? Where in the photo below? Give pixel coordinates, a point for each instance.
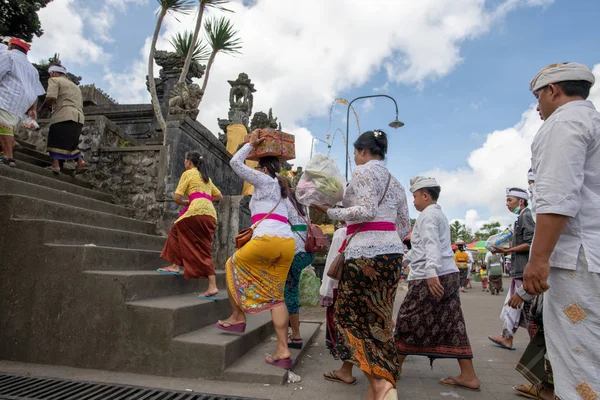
(315, 241)
(245, 235)
(336, 269)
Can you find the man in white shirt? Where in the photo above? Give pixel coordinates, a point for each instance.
(565, 255)
(19, 89)
(430, 321)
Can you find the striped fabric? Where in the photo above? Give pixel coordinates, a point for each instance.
(19, 83)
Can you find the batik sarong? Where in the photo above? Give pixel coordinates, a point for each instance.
(495, 284)
(572, 326)
(433, 326)
(292, 283)
(257, 272)
(363, 315)
(189, 244)
(464, 273)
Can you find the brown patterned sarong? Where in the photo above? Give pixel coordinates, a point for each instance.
(495, 283)
(433, 326)
(363, 315)
(190, 245)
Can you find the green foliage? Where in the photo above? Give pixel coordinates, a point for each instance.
(222, 37)
(19, 18)
(177, 6)
(182, 42)
(460, 231)
(488, 230)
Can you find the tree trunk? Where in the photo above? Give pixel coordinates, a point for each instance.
(211, 60)
(151, 83)
(188, 57)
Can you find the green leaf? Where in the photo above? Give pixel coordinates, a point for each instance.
(222, 36)
(182, 42)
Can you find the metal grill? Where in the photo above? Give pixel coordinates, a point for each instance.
(16, 387)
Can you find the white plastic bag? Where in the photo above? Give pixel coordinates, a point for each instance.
(499, 239)
(29, 123)
(309, 287)
(321, 183)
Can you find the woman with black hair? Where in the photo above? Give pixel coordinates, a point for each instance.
(256, 273)
(189, 243)
(376, 212)
(298, 218)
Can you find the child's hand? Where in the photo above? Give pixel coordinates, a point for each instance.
(515, 301)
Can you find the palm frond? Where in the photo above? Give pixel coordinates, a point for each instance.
(222, 36)
(216, 4)
(182, 42)
(177, 6)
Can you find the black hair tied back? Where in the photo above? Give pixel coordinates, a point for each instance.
(273, 166)
(375, 141)
(196, 158)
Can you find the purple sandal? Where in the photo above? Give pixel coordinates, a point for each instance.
(235, 328)
(285, 363)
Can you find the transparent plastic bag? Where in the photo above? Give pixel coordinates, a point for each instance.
(322, 183)
(29, 123)
(309, 288)
(499, 239)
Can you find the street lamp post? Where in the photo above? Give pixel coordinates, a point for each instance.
(396, 123)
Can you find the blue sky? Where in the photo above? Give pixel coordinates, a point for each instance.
(459, 70)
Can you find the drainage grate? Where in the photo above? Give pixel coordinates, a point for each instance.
(16, 387)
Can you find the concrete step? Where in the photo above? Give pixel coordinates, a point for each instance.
(22, 207)
(32, 159)
(105, 258)
(18, 187)
(207, 352)
(32, 152)
(58, 232)
(138, 285)
(43, 177)
(45, 172)
(171, 316)
(251, 368)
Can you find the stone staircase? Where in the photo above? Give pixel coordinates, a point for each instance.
(78, 287)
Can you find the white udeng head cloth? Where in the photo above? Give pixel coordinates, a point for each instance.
(420, 182)
(561, 72)
(517, 193)
(57, 68)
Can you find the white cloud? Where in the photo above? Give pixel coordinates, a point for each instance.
(300, 55)
(501, 162)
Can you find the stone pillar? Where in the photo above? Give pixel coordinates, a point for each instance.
(233, 215)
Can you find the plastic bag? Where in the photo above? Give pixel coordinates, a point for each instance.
(499, 239)
(309, 288)
(29, 123)
(321, 183)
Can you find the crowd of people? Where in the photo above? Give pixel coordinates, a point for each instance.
(555, 266)
(554, 291)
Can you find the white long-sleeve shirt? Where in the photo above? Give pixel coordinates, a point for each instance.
(566, 164)
(431, 254)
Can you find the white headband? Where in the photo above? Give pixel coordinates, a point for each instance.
(57, 68)
(518, 194)
(560, 73)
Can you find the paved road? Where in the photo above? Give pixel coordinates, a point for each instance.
(494, 366)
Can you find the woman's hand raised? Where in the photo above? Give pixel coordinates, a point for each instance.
(255, 140)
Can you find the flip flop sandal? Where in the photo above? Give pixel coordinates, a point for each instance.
(334, 378)
(285, 363)
(234, 328)
(55, 172)
(167, 272)
(295, 343)
(500, 344)
(209, 297)
(456, 384)
(532, 393)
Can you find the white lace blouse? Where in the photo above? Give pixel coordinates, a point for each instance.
(361, 205)
(266, 194)
(297, 219)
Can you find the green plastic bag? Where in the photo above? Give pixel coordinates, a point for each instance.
(309, 288)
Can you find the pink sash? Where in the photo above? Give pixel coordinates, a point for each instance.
(194, 196)
(366, 227)
(276, 217)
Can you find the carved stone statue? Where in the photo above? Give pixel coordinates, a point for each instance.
(241, 101)
(261, 120)
(185, 99)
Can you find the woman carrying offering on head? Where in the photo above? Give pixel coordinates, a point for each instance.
(257, 272)
(376, 212)
(190, 239)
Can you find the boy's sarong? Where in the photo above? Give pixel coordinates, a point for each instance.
(433, 326)
(257, 272)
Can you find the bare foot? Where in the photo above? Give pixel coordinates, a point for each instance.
(171, 268)
(281, 355)
(460, 381)
(210, 293)
(81, 164)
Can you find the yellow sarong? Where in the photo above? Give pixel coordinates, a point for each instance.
(8, 123)
(257, 272)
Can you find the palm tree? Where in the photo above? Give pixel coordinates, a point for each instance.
(173, 6)
(222, 39)
(204, 4)
(182, 43)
